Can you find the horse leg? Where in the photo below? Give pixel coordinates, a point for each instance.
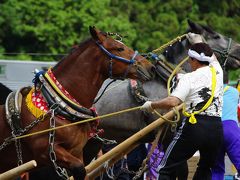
(72, 163)
(91, 150)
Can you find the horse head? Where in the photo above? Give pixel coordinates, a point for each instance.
(226, 50)
(128, 62)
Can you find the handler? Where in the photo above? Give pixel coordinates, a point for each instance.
(231, 131)
(202, 92)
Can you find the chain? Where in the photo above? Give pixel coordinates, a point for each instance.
(6, 142)
(17, 142)
(30, 126)
(19, 151)
(140, 172)
(60, 171)
(104, 141)
(110, 170)
(9, 140)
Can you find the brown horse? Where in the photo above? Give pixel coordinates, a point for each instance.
(66, 92)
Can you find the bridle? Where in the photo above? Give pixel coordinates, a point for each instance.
(224, 54)
(121, 59)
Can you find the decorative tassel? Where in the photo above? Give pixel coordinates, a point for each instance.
(192, 119)
(32, 107)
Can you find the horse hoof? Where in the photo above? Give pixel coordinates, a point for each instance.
(78, 173)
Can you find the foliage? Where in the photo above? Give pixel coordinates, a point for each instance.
(52, 27)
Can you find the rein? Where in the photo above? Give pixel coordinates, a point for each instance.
(167, 67)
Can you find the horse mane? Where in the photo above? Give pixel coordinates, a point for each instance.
(75, 50)
(4, 93)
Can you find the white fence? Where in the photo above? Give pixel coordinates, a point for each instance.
(15, 74)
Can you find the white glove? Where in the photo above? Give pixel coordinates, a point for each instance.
(194, 38)
(147, 107)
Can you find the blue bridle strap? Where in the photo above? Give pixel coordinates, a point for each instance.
(112, 56)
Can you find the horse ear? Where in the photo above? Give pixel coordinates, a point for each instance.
(194, 27)
(96, 34)
(93, 32)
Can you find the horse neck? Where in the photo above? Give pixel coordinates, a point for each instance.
(180, 50)
(80, 74)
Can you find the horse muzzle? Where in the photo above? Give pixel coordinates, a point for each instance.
(146, 74)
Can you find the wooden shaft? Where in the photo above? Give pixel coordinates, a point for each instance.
(96, 172)
(130, 141)
(17, 171)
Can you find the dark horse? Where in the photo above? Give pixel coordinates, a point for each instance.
(67, 92)
(123, 126)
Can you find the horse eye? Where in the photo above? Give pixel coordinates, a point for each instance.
(120, 49)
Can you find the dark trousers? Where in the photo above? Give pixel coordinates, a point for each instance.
(206, 136)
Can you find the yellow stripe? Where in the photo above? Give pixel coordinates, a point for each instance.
(59, 91)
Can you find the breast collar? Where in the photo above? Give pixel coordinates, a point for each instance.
(48, 92)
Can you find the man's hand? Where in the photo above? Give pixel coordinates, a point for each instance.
(147, 107)
(194, 38)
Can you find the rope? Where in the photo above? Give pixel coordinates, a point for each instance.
(76, 123)
(178, 38)
(176, 69)
(154, 143)
(92, 119)
(118, 112)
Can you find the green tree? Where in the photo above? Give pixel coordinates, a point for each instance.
(53, 26)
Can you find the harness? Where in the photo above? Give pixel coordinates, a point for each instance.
(137, 91)
(121, 59)
(163, 70)
(55, 95)
(56, 101)
(13, 111)
(224, 54)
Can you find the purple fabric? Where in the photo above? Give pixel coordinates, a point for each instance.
(154, 162)
(231, 147)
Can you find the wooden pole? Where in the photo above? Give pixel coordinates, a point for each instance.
(130, 141)
(96, 172)
(17, 171)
